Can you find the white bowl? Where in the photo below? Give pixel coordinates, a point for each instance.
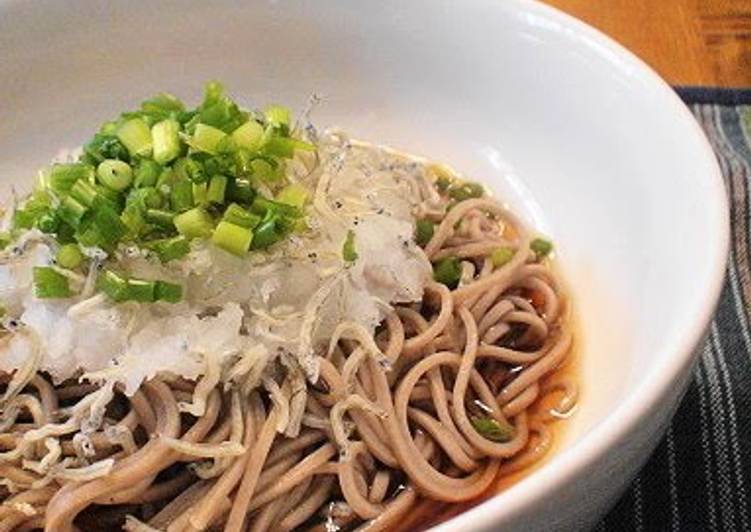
(566, 125)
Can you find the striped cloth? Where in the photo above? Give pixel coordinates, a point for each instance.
(699, 478)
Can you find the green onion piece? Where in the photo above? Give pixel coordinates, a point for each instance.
(140, 290)
(195, 223)
(69, 256)
(447, 271)
(241, 191)
(466, 191)
(135, 136)
(268, 232)
(217, 189)
(294, 194)
(146, 173)
(285, 146)
(492, 429)
(248, 135)
(114, 174)
(63, 176)
(181, 196)
(103, 229)
(71, 212)
(541, 247)
(112, 284)
(48, 223)
(349, 253)
(191, 169)
(32, 211)
(263, 169)
(83, 192)
(168, 249)
(424, 232)
(502, 256)
(160, 217)
(146, 197)
(50, 284)
(237, 215)
(164, 136)
(168, 292)
(133, 219)
(205, 138)
(232, 238)
(199, 193)
(278, 115)
(163, 104)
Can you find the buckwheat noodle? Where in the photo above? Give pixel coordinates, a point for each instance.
(380, 434)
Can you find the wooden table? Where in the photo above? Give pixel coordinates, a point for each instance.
(688, 42)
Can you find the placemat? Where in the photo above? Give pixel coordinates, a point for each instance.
(699, 478)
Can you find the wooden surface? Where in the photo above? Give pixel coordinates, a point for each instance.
(688, 42)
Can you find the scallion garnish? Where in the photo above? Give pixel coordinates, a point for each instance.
(447, 271)
(233, 238)
(349, 253)
(493, 429)
(114, 174)
(195, 223)
(50, 284)
(501, 256)
(136, 137)
(541, 247)
(69, 256)
(424, 230)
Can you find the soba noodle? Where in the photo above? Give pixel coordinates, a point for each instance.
(376, 437)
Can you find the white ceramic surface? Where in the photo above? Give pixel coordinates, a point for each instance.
(567, 126)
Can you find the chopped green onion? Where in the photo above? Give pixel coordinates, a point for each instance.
(164, 136)
(146, 173)
(136, 136)
(492, 429)
(217, 189)
(199, 193)
(285, 146)
(241, 191)
(195, 223)
(278, 115)
(103, 146)
(160, 217)
(237, 215)
(424, 232)
(466, 191)
(181, 196)
(502, 256)
(115, 286)
(140, 290)
(168, 292)
(349, 253)
(232, 238)
(294, 194)
(114, 174)
(541, 247)
(448, 271)
(63, 176)
(69, 256)
(48, 223)
(71, 211)
(50, 284)
(83, 192)
(168, 249)
(263, 169)
(205, 138)
(103, 229)
(268, 232)
(164, 103)
(248, 135)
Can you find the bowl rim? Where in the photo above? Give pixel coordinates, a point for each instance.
(572, 462)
